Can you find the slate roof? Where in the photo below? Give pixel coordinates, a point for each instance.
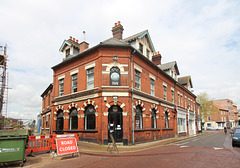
(114, 41)
(134, 37)
(185, 80)
(139, 36)
(219, 107)
(168, 66)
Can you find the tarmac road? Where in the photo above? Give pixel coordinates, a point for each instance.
(174, 152)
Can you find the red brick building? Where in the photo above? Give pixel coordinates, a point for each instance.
(232, 109)
(46, 110)
(119, 87)
(216, 118)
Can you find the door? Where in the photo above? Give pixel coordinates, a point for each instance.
(115, 123)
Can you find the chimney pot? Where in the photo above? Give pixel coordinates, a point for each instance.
(70, 37)
(115, 24)
(153, 54)
(118, 22)
(158, 52)
(73, 39)
(77, 41)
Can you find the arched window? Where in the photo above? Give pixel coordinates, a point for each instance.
(138, 117)
(166, 119)
(73, 119)
(59, 124)
(153, 119)
(89, 117)
(115, 76)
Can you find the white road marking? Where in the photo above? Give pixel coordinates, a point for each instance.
(184, 143)
(183, 146)
(195, 139)
(217, 148)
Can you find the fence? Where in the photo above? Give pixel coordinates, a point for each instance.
(44, 142)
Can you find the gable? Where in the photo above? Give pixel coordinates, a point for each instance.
(64, 44)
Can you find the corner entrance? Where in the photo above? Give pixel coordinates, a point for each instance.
(115, 123)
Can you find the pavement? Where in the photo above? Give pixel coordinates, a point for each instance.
(93, 149)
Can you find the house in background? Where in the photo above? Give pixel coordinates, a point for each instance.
(229, 105)
(217, 118)
(45, 120)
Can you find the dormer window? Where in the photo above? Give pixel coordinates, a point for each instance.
(148, 53)
(67, 52)
(140, 47)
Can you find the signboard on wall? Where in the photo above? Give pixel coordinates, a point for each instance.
(66, 145)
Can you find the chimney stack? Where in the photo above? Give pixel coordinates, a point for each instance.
(156, 58)
(83, 45)
(117, 31)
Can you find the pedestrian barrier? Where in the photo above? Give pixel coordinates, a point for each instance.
(44, 142)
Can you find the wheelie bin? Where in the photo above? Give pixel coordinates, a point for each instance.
(13, 145)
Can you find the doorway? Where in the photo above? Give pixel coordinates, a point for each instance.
(115, 123)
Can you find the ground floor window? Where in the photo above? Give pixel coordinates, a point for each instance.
(89, 117)
(153, 119)
(181, 125)
(59, 124)
(166, 119)
(138, 117)
(73, 119)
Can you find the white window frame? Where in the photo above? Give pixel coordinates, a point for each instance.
(152, 86)
(90, 81)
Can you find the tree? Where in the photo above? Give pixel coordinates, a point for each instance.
(206, 103)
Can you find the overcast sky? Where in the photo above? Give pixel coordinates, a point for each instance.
(201, 35)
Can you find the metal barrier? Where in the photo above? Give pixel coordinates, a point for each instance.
(44, 142)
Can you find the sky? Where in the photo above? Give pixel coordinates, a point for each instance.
(203, 36)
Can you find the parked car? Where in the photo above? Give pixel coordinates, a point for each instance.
(212, 128)
(236, 136)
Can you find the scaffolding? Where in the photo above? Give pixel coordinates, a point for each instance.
(3, 85)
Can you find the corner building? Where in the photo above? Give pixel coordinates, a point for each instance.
(116, 87)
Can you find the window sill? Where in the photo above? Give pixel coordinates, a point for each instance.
(142, 130)
(166, 129)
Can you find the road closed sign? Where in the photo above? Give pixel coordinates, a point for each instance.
(66, 145)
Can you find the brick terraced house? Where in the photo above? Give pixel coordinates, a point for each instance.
(46, 110)
(120, 87)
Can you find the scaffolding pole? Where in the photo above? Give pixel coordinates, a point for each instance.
(3, 85)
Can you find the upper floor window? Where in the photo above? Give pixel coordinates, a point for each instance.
(67, 52)
(165, 92)
(185, 102)
(137, 80)
(181, 101)
(115, 76)
(152, 83)
(90, 78)
(140, 47)
(74, 83)
(61, 84)
(148, 53)
(172, 96)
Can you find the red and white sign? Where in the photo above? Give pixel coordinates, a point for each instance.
(66, 145)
